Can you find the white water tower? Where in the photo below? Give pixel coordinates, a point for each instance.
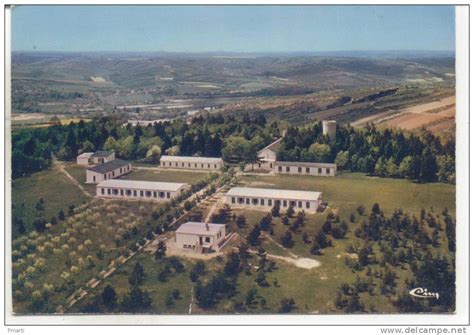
(329, 128)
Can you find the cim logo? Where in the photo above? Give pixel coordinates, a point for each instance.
(423, 293)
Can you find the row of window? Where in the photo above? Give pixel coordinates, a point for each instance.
(176, 164)
(307, 169)
(135, 193)
(269, 202)
(189, 246)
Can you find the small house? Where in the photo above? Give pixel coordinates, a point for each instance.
(200, 237)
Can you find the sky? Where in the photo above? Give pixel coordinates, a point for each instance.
(232, 28)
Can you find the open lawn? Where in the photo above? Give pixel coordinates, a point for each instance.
(53, 186)
(349, 190)
(173, 176)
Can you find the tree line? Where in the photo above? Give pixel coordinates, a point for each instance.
(422, 157)
(235, 138)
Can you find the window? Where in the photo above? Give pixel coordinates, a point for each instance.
(320, 170)
(162, 194)
(300, 204)
(233, 200)
(208, 239)
(262, 202)
(182, 164)
(271, 165)
(102, 191)
(148, 194)
(215, 166)
(109, 191)
(105, 176)
(328, 170)
(287, 169)
(208, 166)
(269, 202)
(307, 170)
(241, 200)
(120, 170)
(247, 201)
(278, 202)
(155, 194)
(93, 178)
(168, 195)
(285, 203)
(307, 204)
(299, 169)
(202, 165)
(176, 164)
(129, 193)
(141, 193)
(134, 193)
(189, 164)
(121, 192)
(279, 169)
(292, 203)
(195, 165)
(254, 201)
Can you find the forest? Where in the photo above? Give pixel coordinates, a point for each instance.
(421, 156)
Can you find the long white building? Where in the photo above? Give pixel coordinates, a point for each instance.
(109, 170)
(200, 237)
(304, 168)
(265, 199)
(139, 190)
(192, 163)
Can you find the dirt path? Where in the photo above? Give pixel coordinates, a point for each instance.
(60, 167)
(192, 300)
(294, 256)
(304, 263)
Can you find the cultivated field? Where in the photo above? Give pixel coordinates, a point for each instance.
(437, 116)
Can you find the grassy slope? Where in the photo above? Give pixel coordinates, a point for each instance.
(51, 185)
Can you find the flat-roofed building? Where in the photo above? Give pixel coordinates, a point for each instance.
(265, 199)
(192, 163)
(304, 168)
(139, 189)
(109, 170)
(200, 236)
(98, 157)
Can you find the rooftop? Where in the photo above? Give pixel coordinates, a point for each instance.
(306, 164)
(191, 159)
(199, 228)
(109, 166)
(273, 146)
(86, 155)
(101, 153)
(274, 193)
(142, 185)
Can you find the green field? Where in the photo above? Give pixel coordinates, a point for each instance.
(349, 190)
(173, 176)
(53, 186)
